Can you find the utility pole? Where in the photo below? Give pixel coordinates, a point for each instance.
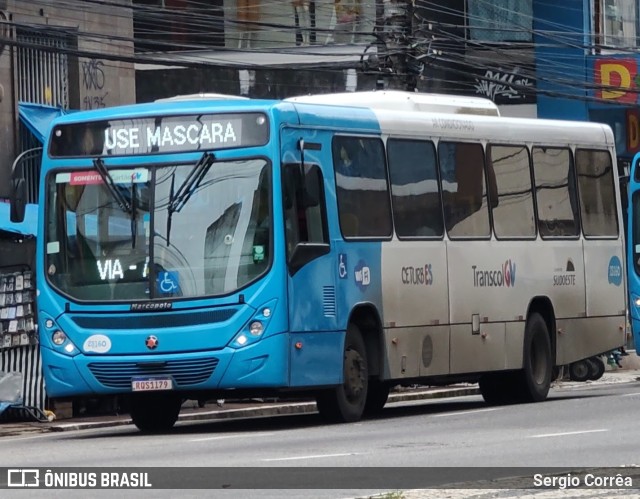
(394, 44)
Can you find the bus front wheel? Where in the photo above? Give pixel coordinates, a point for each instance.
(346, 402)
(154, 412)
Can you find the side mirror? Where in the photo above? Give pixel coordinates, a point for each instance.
(305, 252)
(18, 200)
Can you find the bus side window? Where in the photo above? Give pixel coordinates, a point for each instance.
(362, 189)
(555, 192)
(413, 169)
(304, 206)
(597, 193)
(464, 189)
(512, 202)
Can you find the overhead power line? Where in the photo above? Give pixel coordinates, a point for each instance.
(405, 44)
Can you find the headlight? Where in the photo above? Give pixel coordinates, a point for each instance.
(58, 337)
(60, 342)
(255, 328)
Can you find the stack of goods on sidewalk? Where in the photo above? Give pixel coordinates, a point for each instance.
(17, 308)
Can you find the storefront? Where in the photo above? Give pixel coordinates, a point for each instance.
(19, 349)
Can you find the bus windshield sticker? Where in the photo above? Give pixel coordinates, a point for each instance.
(159, 134)
(258, 253)
(168, 282)
(136, 176)
(53, 247)
(63, 178)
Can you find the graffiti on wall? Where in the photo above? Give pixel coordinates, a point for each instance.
(93, 78)
(616, 80)
(504, 86)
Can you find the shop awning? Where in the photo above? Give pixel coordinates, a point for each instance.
(38, 117)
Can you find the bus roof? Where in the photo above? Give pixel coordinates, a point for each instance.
(172, 106)
(495, 129)
(391, 112)
(202, 96)
(405, 101)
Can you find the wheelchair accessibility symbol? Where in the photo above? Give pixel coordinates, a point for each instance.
(168, 282)
(342, 265)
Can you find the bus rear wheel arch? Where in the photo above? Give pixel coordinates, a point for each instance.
(532, 382)
(346, 402)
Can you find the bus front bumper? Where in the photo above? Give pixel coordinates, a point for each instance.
(261, 365)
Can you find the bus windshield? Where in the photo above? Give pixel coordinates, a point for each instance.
(139, 239)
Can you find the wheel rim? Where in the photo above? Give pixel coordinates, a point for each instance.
(581, 369)
(354, 376)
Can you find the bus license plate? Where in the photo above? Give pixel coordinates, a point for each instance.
(151, 384)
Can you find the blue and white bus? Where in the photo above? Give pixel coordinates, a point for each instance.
(633, 248)
(325, 246)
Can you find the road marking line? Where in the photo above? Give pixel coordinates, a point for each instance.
(463, 412)
(17, 439)
(630, 394)
(318, 456)
(238, 435)
(567, 433)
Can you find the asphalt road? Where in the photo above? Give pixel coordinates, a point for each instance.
(589, 426)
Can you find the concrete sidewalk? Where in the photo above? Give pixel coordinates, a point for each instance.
(630, 372)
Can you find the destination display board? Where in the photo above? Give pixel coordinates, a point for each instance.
(159, 134)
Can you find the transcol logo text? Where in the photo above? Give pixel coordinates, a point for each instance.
(503, 277)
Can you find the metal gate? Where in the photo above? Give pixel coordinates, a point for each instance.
(43, 66)
(42, 77)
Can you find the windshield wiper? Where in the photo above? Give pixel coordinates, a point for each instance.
(126, 206)
(111, 186)
(178, 199)
(134, 209)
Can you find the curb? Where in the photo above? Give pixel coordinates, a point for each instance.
(294, 408)
(271, 410)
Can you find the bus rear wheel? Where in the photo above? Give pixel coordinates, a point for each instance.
(596, 368)
(579, 371)
(154, 412)
(346, 402)
(535, 377)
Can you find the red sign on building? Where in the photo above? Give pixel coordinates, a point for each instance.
(615, 80)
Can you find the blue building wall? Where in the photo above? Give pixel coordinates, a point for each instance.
(570, 78)
(559, 39)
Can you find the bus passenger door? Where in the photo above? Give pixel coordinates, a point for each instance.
(315, 346)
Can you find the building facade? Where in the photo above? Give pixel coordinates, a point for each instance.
(72, 56)
(589, 72)
(279, 49)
